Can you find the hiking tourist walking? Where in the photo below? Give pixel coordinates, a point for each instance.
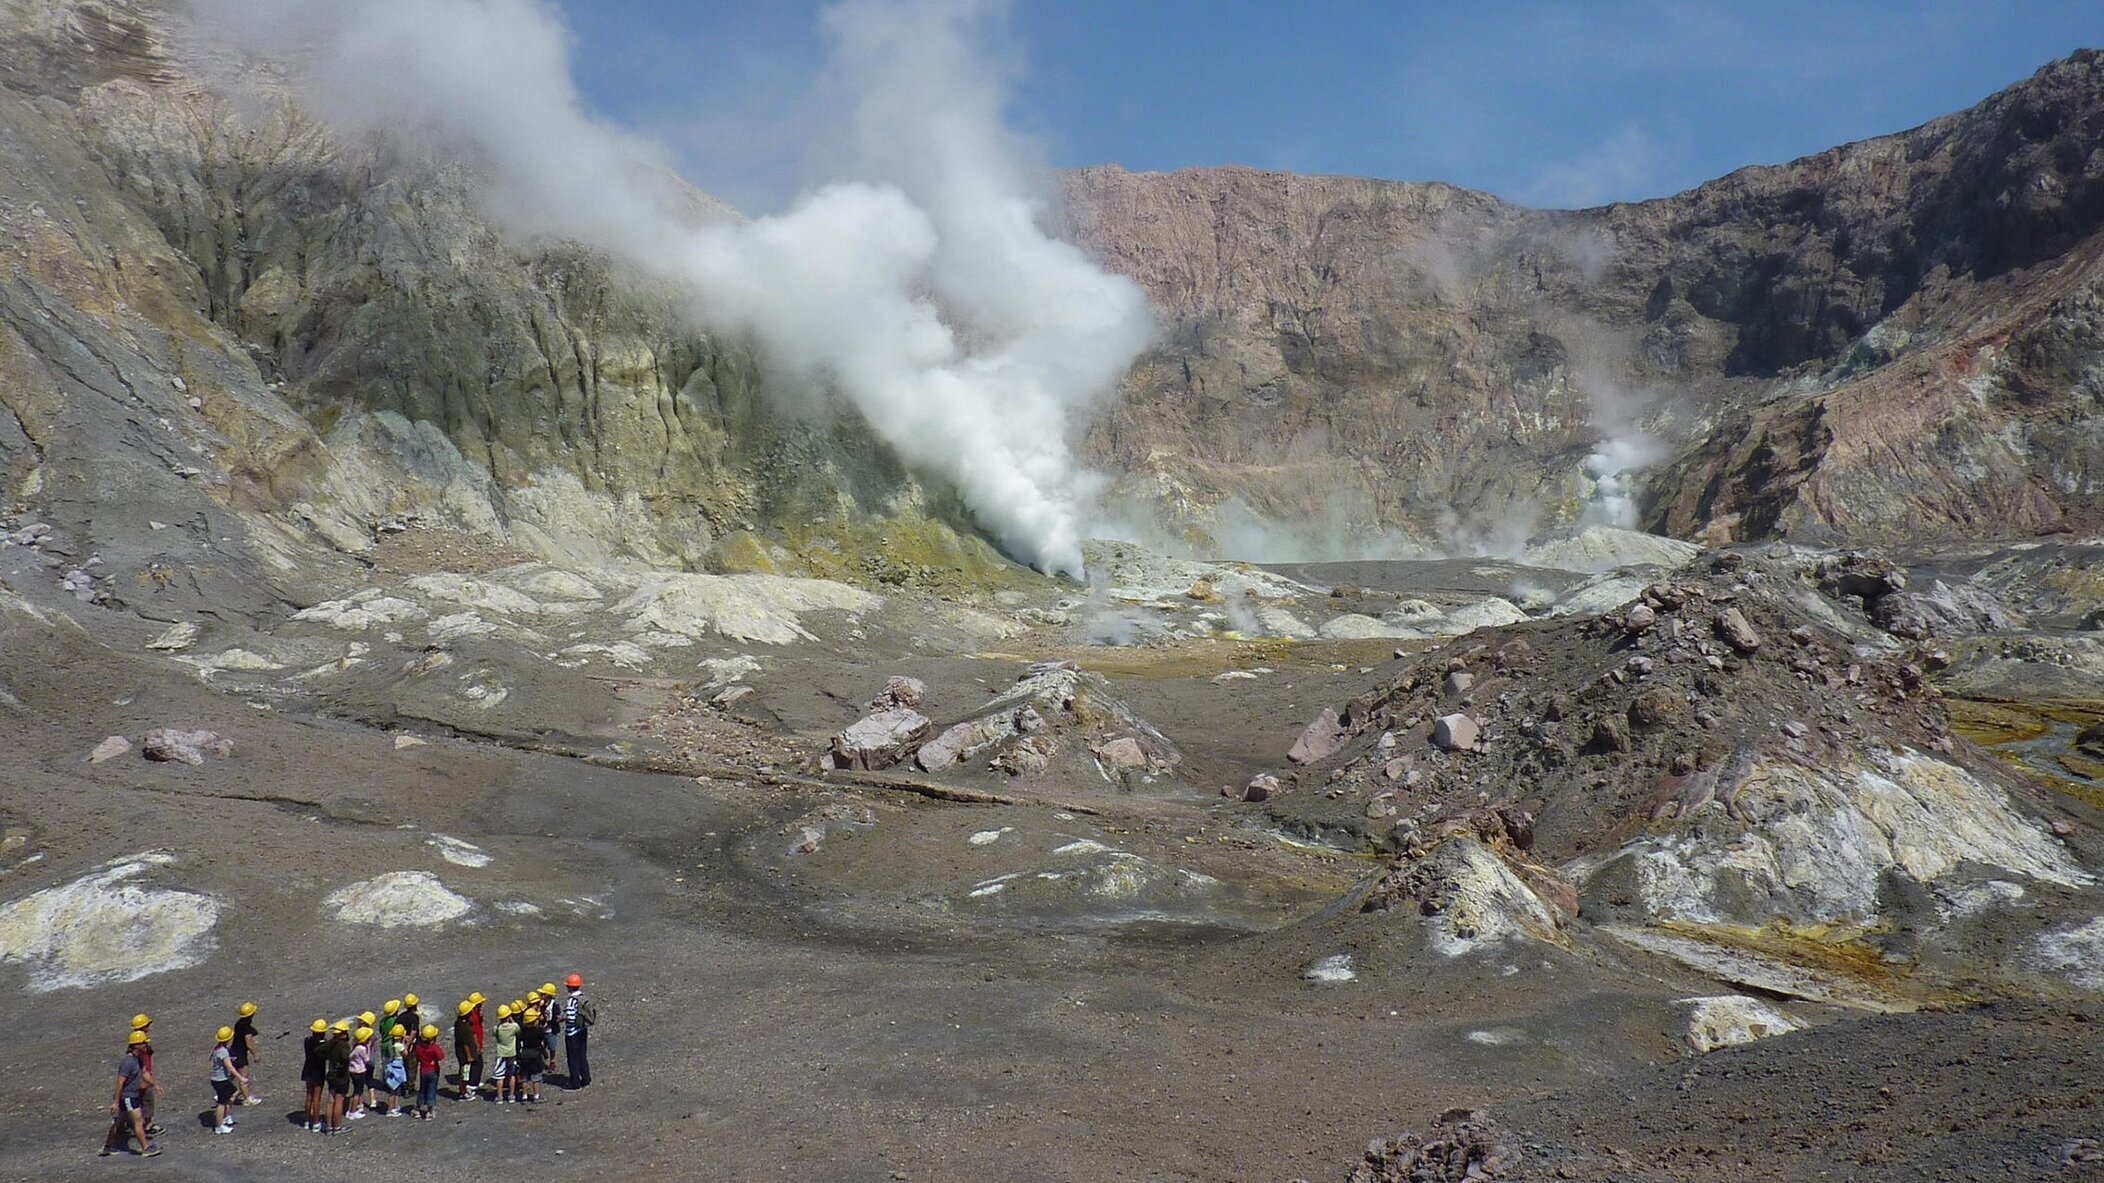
(128, 1107)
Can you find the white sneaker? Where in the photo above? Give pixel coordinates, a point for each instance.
(225, 1128)
(253, 1101)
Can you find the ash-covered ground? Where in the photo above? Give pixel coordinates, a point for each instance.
(1764, 863)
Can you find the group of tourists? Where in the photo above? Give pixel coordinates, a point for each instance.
(388, 1063)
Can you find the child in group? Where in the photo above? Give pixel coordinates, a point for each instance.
(551, 1017)
(475, 1020)
(430, 1057)
(533, 1056)
(225, 1076)
(361, 1071)
(128, 1105)
(388, 1070)
(337, 1053)
(313, 1071)
(505, 1073)
(411, 1025)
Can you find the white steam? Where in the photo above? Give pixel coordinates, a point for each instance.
(924, 290)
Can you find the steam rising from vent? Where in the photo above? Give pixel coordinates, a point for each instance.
(925, 290)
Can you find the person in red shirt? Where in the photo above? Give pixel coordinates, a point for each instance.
(475, 1022)
(430, 1055)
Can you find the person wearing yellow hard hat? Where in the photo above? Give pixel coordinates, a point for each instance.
(128, 1104)
(578, 1014)
(430, 1056)
(152, 1096)
(464, 1046)
(476, 1068)
(388, 1070)
(244, 1049)
(409, 1024)
(314, 1072)
(551, 1020)
(533, 1054)
(504, 1069)
(337, 1054)
(361, 1068)
(225, 1076)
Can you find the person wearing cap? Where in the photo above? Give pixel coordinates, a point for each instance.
(338, 1056)
(361, 1070)
(128, 1106)
(533, 1056)
(505, 1071)
(430, 1056)
(314, 1071)
(243, 1050)
(579, 1013)
(225, 1076)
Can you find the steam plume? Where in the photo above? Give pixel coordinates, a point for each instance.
(924, 289)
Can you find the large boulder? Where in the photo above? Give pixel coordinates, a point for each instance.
(173, 745)
(881, 740)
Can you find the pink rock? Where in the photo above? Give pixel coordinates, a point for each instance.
(1122, 753)
(1320, 740)
(171, 745)
(109, 749)
(899, 692)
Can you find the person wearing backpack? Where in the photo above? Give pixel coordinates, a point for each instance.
(578, 1013)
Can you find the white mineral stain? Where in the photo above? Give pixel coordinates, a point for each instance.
(103, 928)
(397, 899)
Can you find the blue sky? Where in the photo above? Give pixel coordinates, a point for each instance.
(1547, 104)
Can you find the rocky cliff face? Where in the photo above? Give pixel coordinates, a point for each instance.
(1892, 339)
(303, 339)
(213, 311)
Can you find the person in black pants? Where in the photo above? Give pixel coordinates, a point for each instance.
(578, 1015)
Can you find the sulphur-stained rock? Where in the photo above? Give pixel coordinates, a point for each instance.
(171, 745)
(881, 740)
(1319, 740)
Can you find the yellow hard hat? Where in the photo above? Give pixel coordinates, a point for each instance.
(343, 1025)
(136, 1038)
(533, 1016)
(141, 1021)
(364, 1033)
(392, 1005)
(408, 1000)
(547, 989)
(466, 1006)
(367, 1018)
(248, 1009)
(223, 1034)
(318, 1026)
(477, 998)
(503, 1010)
(517, 1005)
(430, 1031)
(533, 996)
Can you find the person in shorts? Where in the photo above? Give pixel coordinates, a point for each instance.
(430, 1057)
(505, 1070)
(243, 1051)
(226, 1077)
(361, 1072)
(314, 1072)
(532, 1059)
(337, 1056)
(128, 1107)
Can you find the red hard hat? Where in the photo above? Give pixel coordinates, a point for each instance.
(574, 981)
